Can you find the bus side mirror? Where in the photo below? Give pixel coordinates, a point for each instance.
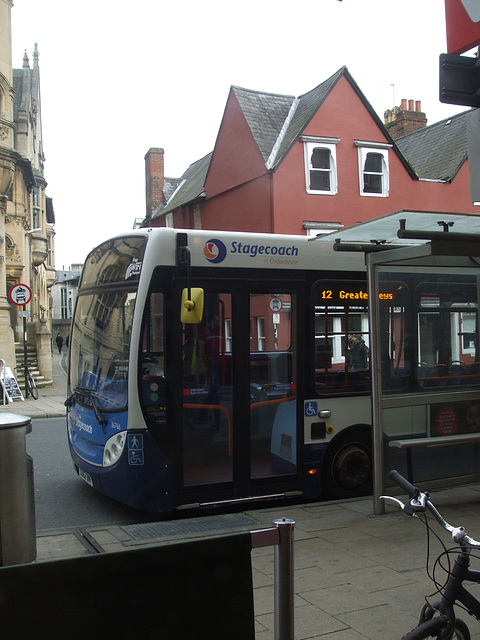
(192, 306)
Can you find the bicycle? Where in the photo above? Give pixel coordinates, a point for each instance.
(438, 620)
(30, 384)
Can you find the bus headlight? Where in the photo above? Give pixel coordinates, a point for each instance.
(113, 449)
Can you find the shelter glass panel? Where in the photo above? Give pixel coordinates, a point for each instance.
(429, 363)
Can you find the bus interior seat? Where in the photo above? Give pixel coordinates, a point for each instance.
(437, 376)
(474, 373)
(457, 373)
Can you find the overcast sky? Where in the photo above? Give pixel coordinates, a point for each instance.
(120, 77)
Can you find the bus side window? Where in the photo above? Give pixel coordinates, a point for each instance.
(341, 351)
(151, 366)
(153, 338)
(323, 354)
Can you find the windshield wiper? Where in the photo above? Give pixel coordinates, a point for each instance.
(91, 395)
(77, 394)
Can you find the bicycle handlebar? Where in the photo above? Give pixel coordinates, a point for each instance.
(404, 484)
(419, 502)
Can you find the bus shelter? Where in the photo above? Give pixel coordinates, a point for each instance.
(425, 357)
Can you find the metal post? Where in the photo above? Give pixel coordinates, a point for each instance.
(25, 350)
(284, 583)
(376, 398)
(2, 380)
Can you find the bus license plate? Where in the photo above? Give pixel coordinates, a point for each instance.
(85, 476)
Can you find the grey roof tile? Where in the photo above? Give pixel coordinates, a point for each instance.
(276, 121)
(306, 107)
(438, 151)
(169, 187)
(265, 114)
(191, 186)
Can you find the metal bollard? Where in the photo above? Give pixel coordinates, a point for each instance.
(284, 583)
(18, 543)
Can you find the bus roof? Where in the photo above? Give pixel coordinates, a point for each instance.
(225, 249)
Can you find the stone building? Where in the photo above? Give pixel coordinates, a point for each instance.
(64, 294)
(26, 212)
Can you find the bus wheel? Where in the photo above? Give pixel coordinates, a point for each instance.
(347, 467)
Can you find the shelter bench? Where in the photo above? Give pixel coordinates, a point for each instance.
(437, 441)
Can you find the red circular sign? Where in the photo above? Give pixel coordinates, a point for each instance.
(20, 294)
(446, 421)
(275, 304)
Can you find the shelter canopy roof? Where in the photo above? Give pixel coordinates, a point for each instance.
(385, 229)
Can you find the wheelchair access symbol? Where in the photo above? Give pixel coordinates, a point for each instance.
(311, 409)
(135, 449)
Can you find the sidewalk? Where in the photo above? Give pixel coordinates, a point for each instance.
(50, 403)
(357, 576)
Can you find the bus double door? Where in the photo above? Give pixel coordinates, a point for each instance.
(238, 385)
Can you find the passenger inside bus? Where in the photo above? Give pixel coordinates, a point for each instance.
(357, 352)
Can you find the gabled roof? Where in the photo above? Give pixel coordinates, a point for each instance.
(190, 187)
(265, 114)
(438, 151)
(306, 106)
(170, 185)
(276, 121)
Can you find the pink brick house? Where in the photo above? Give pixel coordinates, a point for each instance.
(314, 164)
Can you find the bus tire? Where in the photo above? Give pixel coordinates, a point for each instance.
(347, 466)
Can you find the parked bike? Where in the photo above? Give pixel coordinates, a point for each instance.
(438, 619)
(30, 384)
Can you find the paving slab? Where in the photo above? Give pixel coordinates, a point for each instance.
(357, 576)
(361, 577)
(379, 623)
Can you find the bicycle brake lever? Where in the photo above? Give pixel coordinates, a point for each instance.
(406, 508)
(395, 501)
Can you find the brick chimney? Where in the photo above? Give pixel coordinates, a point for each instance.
(154, 180)
(405, 119)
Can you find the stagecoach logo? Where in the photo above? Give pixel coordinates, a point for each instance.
(215, 251)
(133, 269)
(79, 424)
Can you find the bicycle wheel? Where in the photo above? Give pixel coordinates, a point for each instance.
(31, 386)
(433, 628)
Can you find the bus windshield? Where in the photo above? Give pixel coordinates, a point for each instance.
(102, 327)
(101, 342)
(115, 261)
